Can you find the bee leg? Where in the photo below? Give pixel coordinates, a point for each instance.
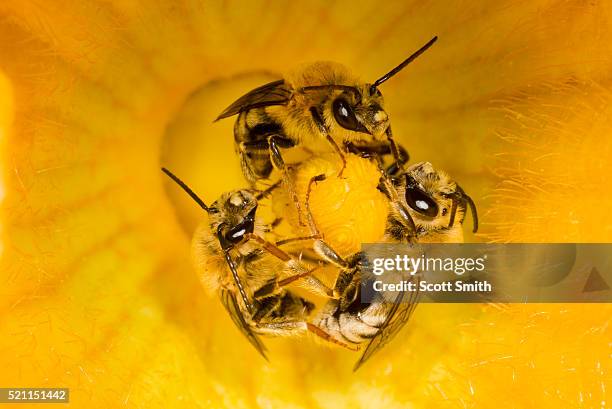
(397, 206)
(337, 149)
(318, 119)
(377, 151)
(399, 165)
(281, 327)
(271, 226)
(347, 269)
(313, 283)
(348, 278)
(276, 222)
(265, 307)
(265, 193)
(295, 277)
(313, 227)
(369, 151)
(328, 254)
(285, 315)
(276, 142)
(324, 250)
(351, 294)
(255, 159)
(293, 239)
(316, 286)
(344, 280)
(319, 332)
(310, 282)
(269, 247)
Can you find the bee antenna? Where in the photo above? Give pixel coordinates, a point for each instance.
(236, 277)
(397, 69)
(187, 189)
(265, 193)
(472, 205)
(453, 212)
(467, 199)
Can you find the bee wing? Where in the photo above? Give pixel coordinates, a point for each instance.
(398, 316)
(273, 93)
(231, 305)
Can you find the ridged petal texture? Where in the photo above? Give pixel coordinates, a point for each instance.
(96, 289)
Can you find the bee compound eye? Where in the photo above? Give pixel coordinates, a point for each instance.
(420, 202)
(236, 234)
(344, 115)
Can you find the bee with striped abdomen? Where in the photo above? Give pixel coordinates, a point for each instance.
(320, 105)
(436, 205)
(425, 205)
(250, 273)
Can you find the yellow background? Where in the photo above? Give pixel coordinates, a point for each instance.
(96, 290)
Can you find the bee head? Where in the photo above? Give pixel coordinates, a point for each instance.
(360, 111)
(236, 212)
(435, 201)
(232, 216)
(361, 108)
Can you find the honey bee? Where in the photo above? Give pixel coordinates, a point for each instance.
(425, 205)
(249, 272)
(436, 206)
(322, 102)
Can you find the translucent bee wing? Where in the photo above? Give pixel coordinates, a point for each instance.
(273, 93)
(231, 305)
(398, 316)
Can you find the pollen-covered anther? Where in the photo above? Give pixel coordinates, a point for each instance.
(347, 210)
